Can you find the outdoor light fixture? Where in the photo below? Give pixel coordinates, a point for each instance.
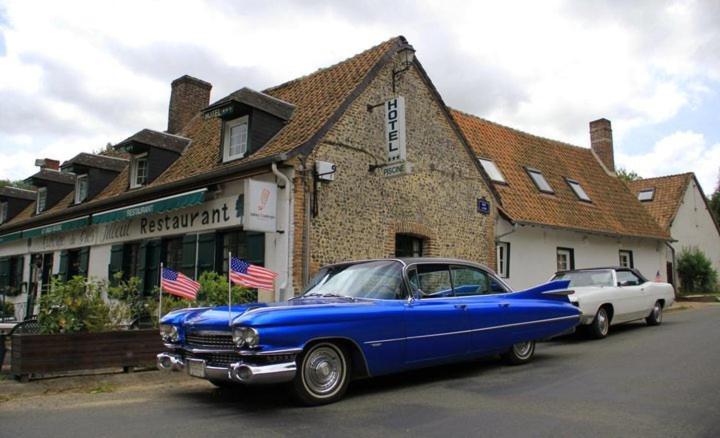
(407, 54)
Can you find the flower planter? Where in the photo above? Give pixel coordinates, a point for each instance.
(41, 354)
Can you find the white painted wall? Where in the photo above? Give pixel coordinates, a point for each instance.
(533, 253)
(693, 226)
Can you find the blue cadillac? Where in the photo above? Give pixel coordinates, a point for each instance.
(366, 318)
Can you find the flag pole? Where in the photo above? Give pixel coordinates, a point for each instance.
(229, 288)
(161, 292)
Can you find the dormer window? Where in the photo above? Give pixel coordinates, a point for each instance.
(41, 200)
(3, 212)
(578, 190)
(235, 141)
(138, 171)
(539, 180)
(646, 195)
(492, 170)
(81, 188)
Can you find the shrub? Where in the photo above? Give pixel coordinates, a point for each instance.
(73, 306)
(7, 310)
(214, 291)
(695, 271)
(131, 301)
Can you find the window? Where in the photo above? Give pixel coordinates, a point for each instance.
(173, 251)
(3, 212)
(130, 259)
(432, 281)
(646, 195)
(492, 170)
(503, 259)
(408, 246)
(243, 245)
(138, 171)
(81, 188)
(626, 259)
(539, 180)
(236, 139)
(565, 259)
(469, 281)
(628, 278)
(41, 200)
(579, 191)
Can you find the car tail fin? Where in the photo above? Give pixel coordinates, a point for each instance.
(552, 290)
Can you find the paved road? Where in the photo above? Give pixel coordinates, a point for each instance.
(641, 381)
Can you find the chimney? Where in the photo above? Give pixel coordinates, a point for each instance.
(48, 164)
(189, 95)
(601, 142)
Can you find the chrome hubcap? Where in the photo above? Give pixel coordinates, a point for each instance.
(602, 322)
(657, 312)
(523, 349)
(323, 370)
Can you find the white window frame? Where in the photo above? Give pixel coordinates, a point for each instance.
(570, 261)
(502, 250)
(492, 170)
(227, 138)
(41, 194)
(3, 212)
(642, 192)
(541, 183)
(79, 197)
(628, 255)
(134, 170)
(577, 188)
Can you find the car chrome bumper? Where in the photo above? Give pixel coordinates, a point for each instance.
(240, 371)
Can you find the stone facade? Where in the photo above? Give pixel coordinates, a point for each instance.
(360, 212)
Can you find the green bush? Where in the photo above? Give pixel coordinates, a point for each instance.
(214, 291)
(7, 310)
(695, 271)
(73, 306)
(131, 302)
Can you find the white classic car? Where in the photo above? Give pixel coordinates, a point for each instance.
(615, 295)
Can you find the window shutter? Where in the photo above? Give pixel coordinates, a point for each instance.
(152, 264)
(256, 249)
(140, 268)
(206, 253)
(4, 274)
(84, 261)
(63, 271)
(19, 273)
(116, 261)
(188, 255)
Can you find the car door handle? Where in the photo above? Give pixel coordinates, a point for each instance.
(461, 306)
(504, 304)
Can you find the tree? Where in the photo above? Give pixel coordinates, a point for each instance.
(20, 184)
(696, 271)
(627, 175)
(714, 201)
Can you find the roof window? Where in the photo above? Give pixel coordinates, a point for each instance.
(539, 180)
(579, 191)
(646, 195)
(492, 170)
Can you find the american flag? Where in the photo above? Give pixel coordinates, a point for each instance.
(252, 276)
(175, 283)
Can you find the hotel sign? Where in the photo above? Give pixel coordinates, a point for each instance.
(395, 129)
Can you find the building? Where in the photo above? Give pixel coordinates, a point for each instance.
(358, 160)
(562, 206)
(679, 205)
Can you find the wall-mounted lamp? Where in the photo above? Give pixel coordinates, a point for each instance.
(407, 55)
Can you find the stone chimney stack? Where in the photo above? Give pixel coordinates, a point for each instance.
(601, 142)
(48, 164)
(189, 95)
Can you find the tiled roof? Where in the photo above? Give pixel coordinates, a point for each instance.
(54, 176)
(669, 191)
(115, 164)
(614, 209)
(156, 139)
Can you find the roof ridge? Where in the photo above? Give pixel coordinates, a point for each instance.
(539, 137)
(655, 178)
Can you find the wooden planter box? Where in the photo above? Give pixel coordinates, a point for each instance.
(40, 354)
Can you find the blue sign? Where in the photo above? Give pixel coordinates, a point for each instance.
(483, 206)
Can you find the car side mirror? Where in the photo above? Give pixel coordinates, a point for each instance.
(415, 295)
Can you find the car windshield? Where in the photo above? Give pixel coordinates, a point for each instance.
(378, 279)
(587, 278)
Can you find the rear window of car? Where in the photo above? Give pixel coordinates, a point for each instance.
(587, 278)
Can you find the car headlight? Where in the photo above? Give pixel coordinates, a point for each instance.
(169, 333)
(245, 337)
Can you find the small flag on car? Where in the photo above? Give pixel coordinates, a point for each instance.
(658, 277)
(176, 283)
(252, 276)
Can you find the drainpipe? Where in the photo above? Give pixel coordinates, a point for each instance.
(306, 225)
(286, 184)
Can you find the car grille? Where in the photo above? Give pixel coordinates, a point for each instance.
(210, 340)
(216, 359)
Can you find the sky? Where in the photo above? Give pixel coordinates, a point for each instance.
(75, 75)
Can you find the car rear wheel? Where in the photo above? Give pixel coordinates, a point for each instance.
(655, 317)
(520, 353)
(600, 325)
(323, 374)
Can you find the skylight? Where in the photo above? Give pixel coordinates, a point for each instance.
(579, 191)
(646, 195)
(492, 170)
(539, 180)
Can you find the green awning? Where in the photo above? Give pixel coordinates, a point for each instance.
(10, 237)
(72, 224)
(161, 205)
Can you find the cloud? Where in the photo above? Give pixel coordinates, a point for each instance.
(681, 151)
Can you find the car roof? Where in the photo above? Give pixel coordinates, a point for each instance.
(415, 260)
(600, 268)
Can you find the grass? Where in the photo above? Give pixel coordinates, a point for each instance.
(101, 388)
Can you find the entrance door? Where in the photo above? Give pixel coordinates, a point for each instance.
(670, 277)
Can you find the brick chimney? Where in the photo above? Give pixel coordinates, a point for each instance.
(601, 142)
(189, 95)
(47, 164)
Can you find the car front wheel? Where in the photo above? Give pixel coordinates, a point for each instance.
(520, 353)
(655, 317)
(600, 325)
(323, 374)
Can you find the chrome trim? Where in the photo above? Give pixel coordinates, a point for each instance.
(252, 374)
(208, 332)
(270, 352)
(169, 362)
(208, 350)
(482, 329)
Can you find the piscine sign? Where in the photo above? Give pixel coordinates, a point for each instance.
(398, 169)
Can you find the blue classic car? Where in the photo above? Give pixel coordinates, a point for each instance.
(366, 318)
